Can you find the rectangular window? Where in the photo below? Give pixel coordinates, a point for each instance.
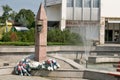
(87, 3)
(96, 3)
(70, 3)
(78, 3)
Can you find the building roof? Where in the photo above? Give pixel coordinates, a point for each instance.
(21, 28)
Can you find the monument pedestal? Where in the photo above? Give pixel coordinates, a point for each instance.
(42, 56)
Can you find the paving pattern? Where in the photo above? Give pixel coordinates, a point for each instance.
(13, 59)
(16, 77)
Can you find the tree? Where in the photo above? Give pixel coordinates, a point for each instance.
(22, 20)
(1, 20)
(26, 17)
(12, 15)
(6, 13)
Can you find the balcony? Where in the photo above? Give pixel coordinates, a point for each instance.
(52, 2)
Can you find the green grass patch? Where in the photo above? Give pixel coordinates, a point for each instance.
(32, 43)
(17, 43)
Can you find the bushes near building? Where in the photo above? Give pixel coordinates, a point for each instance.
(54, 37)
(63, 37)
(27, 36)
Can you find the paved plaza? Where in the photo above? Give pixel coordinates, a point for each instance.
(16, 77)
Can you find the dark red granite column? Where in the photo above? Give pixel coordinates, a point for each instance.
(41, 35)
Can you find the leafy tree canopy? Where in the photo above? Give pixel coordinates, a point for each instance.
(25, 17)
(6, 10)
(12, 15)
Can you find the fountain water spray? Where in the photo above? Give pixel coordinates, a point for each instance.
(88, 33)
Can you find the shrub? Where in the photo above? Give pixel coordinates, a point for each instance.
(13, 36)
(31, 35)
(26, 36)
(65, 36)
(6, 37)
(54, 36)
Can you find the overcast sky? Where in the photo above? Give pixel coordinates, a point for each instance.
(109, 8)
(16, 5)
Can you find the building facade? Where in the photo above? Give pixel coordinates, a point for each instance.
(110, 21)
(69, 12)
(72, 14)
(110, 30)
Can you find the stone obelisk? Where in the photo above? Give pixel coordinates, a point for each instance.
(41, 35)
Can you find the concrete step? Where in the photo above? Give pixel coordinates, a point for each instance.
(68, 79)
(116, 65)
(108, 48)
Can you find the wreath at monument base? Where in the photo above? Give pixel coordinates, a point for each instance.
(25, 66)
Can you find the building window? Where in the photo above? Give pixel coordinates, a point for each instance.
(96, 3)
(87, 3)
(78, 3)
(70, 3)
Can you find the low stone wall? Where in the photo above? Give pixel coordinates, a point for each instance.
(16, 49)
(31, 49)
(103, 59)
(66, 51)
(98, 75)
(71, 52)
(71, 73)
(59, 73)
(115, 47)
(96, 50)
(86, 74)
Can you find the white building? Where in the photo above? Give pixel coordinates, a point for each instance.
(66, 11)
(99, 15)
(110, 21)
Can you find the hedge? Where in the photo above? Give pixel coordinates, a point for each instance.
(54, 37)
(17, 43)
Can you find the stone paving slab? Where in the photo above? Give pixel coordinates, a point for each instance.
(16, 77)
